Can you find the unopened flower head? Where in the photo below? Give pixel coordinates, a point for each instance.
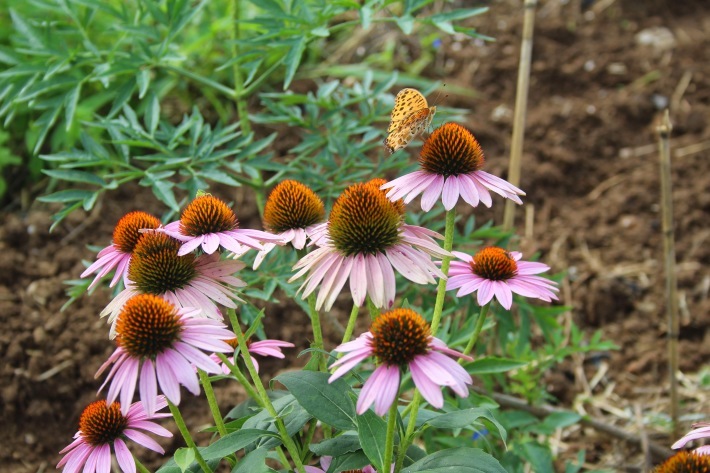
(267, 347)
(186, 281)
(104, 427)
(400, 339)
(451, 160)
(118, 254)
(159, 344)
(699, 431)
(366, 240)
(685, 462)
(209, 223)
(495, 272)
(291, 212)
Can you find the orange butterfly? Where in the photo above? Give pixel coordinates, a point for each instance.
(411, 115)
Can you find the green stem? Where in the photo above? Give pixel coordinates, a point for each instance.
(389, 440)
(240, 377)
(235, 12)
(351, 324)
(186, 435)
(317, 344)
(476, 331)
(409, 435)
(445, 262)
(140, 467)
(374, 311)
(212, 401)
(285, 437)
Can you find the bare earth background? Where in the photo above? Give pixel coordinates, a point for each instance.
(599, 81)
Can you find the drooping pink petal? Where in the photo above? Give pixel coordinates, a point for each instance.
(124, 457)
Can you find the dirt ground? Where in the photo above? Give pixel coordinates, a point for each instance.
(600, 79)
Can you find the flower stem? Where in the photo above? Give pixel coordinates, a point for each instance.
(389, 440)
(445, 262)
(476, 331)
(411, 425)
(186, 435)
(212, 401)
(285, 437)
(240, 377)
(351, 324)
(317, 344)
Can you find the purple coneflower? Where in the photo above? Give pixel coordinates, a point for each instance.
(118, 254)
(366, 240)
(699, 430)
(495, 272)
(156, 341)
(186, 281)
(291, 212)
(267, 347)
(451, 160)
(208, 222)
(103, 426)
(401, 339)
(685, 462)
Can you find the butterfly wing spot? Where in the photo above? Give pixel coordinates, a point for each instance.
(411, 115)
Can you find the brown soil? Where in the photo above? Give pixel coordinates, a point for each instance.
(591, 175)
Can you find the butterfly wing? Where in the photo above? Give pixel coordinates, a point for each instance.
(406, 102)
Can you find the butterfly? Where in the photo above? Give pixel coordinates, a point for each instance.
(411, 115)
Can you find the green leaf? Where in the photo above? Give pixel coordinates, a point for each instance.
(539, 456)
(559, 420)
(233, 442)
(69, 195)
(289, 410)
(253, 462)
(24, 28)
(45, 122)
(321, 32)
(152, 115)
(122, 95)
(457, 460)
(492, 364)
(405, 23)
(75, 176)
(143, 81)
(466, 418)
(372, 431)
(327, 402)
(335, 447)
(293, 59)
(459, 14)
(184, 457)
(163, 190)
(70, 101)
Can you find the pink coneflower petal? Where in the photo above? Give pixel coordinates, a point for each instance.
(381, 389)
(699, 430)
(432, 193)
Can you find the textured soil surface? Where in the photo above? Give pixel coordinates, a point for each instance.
(600, 79)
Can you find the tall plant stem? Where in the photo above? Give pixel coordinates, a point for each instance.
(212, 402)
(476, 331)
(389, 439)
(186, 435)
(664, 153)
(240, 377)
(317, 344)
(411, 425)
(235, 13)
(351, 324)
(441, 288)
(285, 437)
(521, 104)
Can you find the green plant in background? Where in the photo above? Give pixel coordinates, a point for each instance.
(178, 95)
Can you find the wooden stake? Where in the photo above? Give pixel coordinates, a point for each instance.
(521, 101)
(664, 152)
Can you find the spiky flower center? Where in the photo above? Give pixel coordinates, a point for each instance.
(207, 214)
(292, 205)
(398, 336)
(101, 424)
(156, 268)
(128, 229)
(147, 326)
(494, 263)
(451, 150)
(379, 182)
(364, 221)
(685, 462)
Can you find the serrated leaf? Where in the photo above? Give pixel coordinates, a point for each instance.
(70, 101)
(457, 460)
(327, 402)
(372, 431)
(293, 59)
(234, 442)
(75, 176)
(492, 364)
